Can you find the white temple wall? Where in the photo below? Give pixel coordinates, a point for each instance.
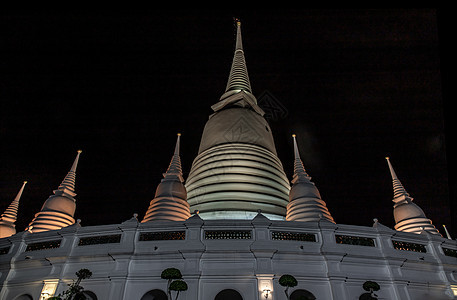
(331, 261)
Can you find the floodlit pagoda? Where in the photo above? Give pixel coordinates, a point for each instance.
(305, 201)
(232, 228)
(170, 201)
(59, 209)
(408, 216)
(237, 171)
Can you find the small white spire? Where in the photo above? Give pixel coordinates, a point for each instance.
(447, 232)
(299, 169)
(10, 214)
(68, 184)
(58, 210)
(175, 168)
(170, 200)
(409, 217)
(399, 190)
(305, 202)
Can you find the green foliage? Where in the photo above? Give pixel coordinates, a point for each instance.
(288, 280)
(171, 273)
(175, 283)
(75, 288)
(83, 274)
(371, 286)
(178, 285)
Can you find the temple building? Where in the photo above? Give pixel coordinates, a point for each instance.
(233, 228)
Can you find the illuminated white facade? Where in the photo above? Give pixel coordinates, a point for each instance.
(332, 261)
(233, 227)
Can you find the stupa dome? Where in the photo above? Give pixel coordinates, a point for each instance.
(237, 172)
(58, 210)
(170, 200)
(237, 125)
(305, 202)
(408, 216)
(60, 203)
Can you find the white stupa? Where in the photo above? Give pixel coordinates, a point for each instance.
(237, 171)
(170, 201)
(59, 209)
(8, 218)
(305, 204)
(408, 216)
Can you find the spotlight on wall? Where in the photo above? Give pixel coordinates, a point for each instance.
(49, 288)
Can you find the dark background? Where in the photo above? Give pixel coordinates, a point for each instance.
(354, 85)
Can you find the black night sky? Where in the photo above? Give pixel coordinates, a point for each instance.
(354, 85)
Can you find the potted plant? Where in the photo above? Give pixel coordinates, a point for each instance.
(287, 281)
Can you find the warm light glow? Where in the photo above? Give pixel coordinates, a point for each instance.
(49, 289)
(387, 157)
(293, 135)
(79, 151)
(179, 134)
(454, 289)
(265, 285)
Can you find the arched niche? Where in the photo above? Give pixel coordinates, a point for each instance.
(155, 295)
(302, 295)
(228, 294)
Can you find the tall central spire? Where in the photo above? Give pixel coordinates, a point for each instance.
(237, 172)
(238, 91)
(238, 77)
